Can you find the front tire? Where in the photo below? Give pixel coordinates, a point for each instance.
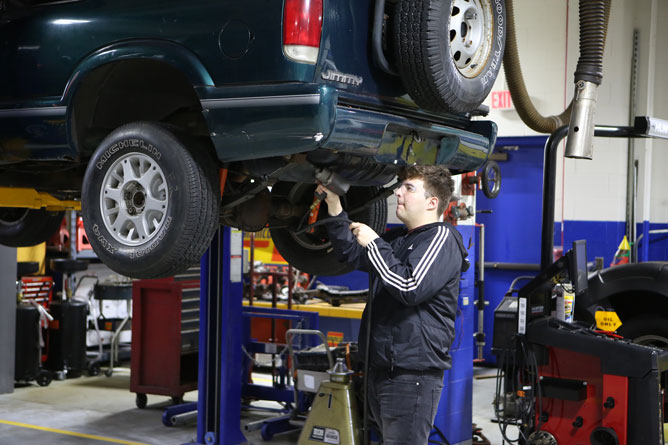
(150, 208)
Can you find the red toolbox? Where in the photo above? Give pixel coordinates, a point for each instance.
(165, 336)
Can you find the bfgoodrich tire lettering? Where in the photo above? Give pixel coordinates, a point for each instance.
(149, 207)
(449, 53)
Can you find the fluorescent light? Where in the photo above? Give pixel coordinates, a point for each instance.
(69, 21)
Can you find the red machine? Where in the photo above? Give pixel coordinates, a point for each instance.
(571, 386)
(595, 389)
(579, 401)
(562, 383)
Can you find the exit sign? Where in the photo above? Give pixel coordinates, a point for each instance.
(501, 100)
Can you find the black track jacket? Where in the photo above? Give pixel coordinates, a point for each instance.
(414, 279)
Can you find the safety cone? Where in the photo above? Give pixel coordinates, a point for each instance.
(623, 253)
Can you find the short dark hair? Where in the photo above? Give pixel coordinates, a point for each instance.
(437, 181)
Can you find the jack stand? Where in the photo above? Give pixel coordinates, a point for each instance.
(219, 385)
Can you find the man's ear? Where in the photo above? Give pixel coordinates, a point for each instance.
(432, 203)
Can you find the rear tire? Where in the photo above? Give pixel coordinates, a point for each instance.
(21, 227)
(312, 252)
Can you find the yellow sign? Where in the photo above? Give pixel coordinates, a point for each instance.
(265, 250)
(334, 338)
(607, 321)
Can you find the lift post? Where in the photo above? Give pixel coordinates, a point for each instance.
(219, 384)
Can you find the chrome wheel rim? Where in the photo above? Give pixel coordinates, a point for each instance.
(471, 35)
(134, 199)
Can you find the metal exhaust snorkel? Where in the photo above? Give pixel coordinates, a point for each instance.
(594, 15)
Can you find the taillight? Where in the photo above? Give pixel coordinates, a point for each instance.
(302, 28)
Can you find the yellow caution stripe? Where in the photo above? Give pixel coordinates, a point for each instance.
(70, 433)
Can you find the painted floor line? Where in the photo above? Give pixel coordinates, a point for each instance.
(70, 433)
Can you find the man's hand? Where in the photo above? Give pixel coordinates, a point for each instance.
(363, 233)
(333, 201)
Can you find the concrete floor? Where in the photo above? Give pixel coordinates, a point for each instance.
(98, 410)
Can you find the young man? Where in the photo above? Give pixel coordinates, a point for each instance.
(414, 277)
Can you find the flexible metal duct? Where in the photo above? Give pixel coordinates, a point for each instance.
(594, 17)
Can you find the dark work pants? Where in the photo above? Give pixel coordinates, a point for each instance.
(403, 403)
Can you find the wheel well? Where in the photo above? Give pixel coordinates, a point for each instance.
(126, 91)
(629, 305)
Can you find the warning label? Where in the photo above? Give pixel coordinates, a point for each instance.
(607, 321)
(325, 435)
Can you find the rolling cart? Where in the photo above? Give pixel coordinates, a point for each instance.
(165, 337)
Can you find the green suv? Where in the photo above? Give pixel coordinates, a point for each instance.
(167, 118)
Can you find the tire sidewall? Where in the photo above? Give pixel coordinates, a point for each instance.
(469, 91)
(159, 145)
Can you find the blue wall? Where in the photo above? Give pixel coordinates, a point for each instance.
(512, 230)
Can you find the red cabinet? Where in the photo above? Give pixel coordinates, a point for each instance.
(165, 335)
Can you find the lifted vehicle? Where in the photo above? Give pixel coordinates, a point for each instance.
(147, 110)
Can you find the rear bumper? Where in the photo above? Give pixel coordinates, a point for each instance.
(252, 122)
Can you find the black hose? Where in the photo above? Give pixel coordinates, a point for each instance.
(594, 15)
(377, 38)
(367, 341)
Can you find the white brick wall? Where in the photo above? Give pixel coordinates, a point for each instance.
(659, 199)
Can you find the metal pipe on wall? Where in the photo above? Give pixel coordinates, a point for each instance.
(480, 303)
(630, 162)
(511, 266)
(549, 181)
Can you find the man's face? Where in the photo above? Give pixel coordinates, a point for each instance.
(413, 202)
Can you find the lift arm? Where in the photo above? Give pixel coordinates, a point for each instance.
(32, 199)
